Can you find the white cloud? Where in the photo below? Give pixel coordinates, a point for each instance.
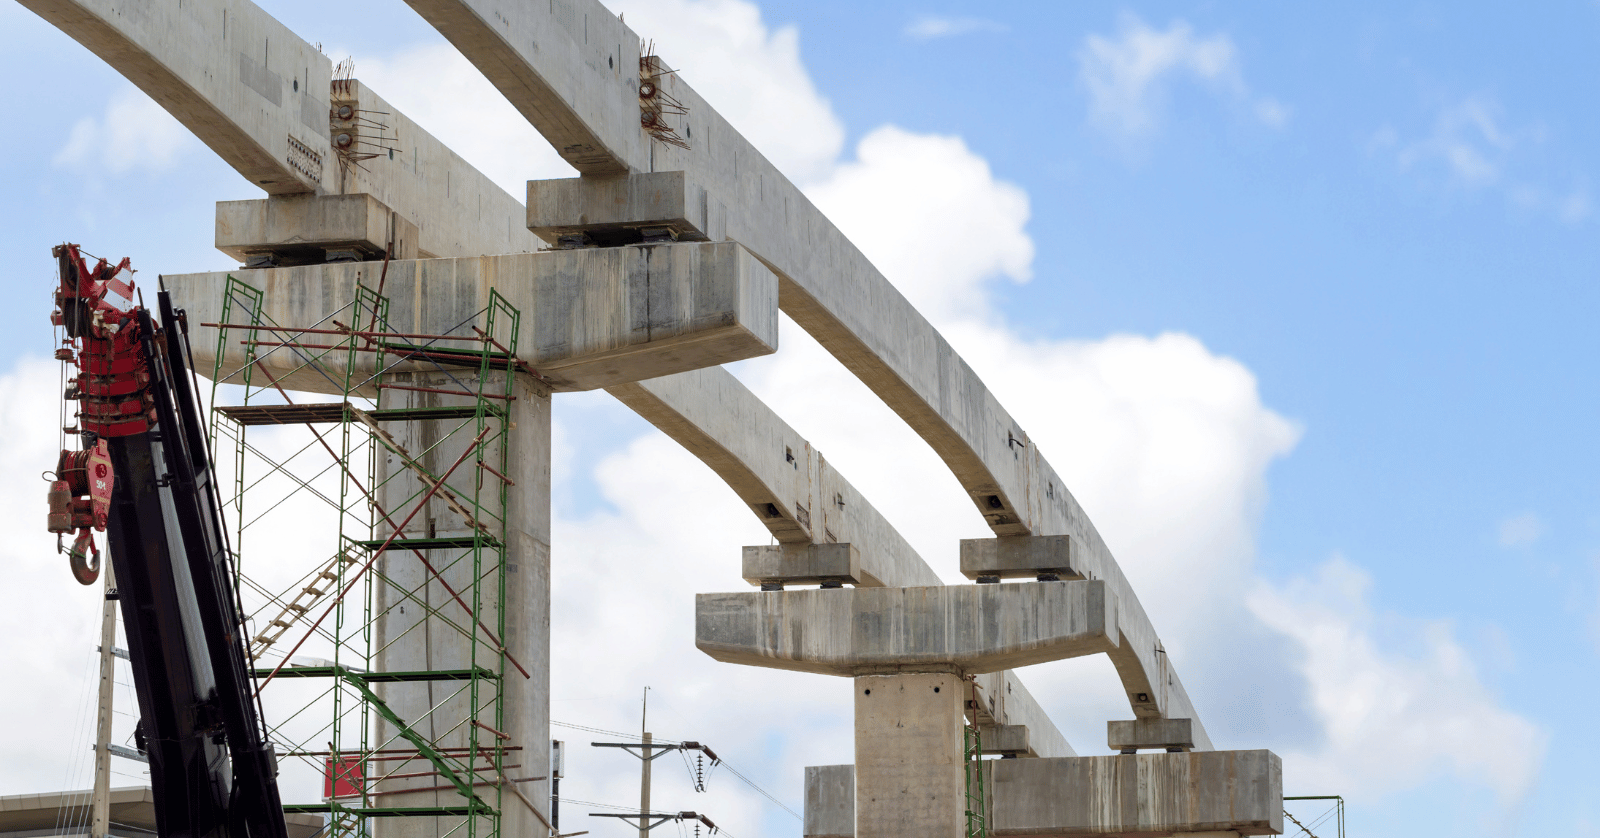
(928, 27)
(1521, 530)
(943, 272)
(1127, 75)
(134, 133)
(1467, 140)
(1393, 719)
(1473, 147)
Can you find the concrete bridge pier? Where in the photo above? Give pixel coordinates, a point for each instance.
(909, 754)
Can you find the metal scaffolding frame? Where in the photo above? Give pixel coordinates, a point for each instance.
(376, 733)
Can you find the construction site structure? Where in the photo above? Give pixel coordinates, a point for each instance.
(671, 253)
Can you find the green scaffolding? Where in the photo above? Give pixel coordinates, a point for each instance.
(977, 801)
(335, 453)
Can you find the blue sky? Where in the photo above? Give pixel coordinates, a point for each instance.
(1375, 222)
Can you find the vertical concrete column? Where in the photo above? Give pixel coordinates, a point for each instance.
(909, 777)
(412, 633)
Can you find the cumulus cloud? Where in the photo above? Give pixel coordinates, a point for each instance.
(929, 27)
(135, 133)
(1127, 74)
(1521, 530)
(1392, 718)
(942, 273)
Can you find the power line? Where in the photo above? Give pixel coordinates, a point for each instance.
(611, 732)
(751, 783)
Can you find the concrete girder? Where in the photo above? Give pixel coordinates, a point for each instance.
(591, 318)
(966, 629)
(1146, 794)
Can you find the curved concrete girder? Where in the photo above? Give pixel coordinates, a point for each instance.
(829, 287)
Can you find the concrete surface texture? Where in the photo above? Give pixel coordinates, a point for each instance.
(964, 629)
(909, 757)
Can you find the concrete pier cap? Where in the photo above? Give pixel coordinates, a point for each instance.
(966, 629)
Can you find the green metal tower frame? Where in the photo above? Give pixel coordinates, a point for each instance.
(355, 353)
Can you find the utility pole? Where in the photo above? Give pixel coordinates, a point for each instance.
(647, 753)
(644, 787)
(101, 824)
(644, 765)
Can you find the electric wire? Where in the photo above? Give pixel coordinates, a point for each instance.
(628, 736)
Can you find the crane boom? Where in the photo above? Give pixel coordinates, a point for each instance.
(213, 773)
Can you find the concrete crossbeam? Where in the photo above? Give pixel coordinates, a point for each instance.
(860, 631)
(1128, 736)
(1218, 792)
(800, 564)
(309, 229)
(777, 473)
(590, 318)
(1012, 557)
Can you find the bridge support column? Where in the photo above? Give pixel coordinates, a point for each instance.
(909, 778)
